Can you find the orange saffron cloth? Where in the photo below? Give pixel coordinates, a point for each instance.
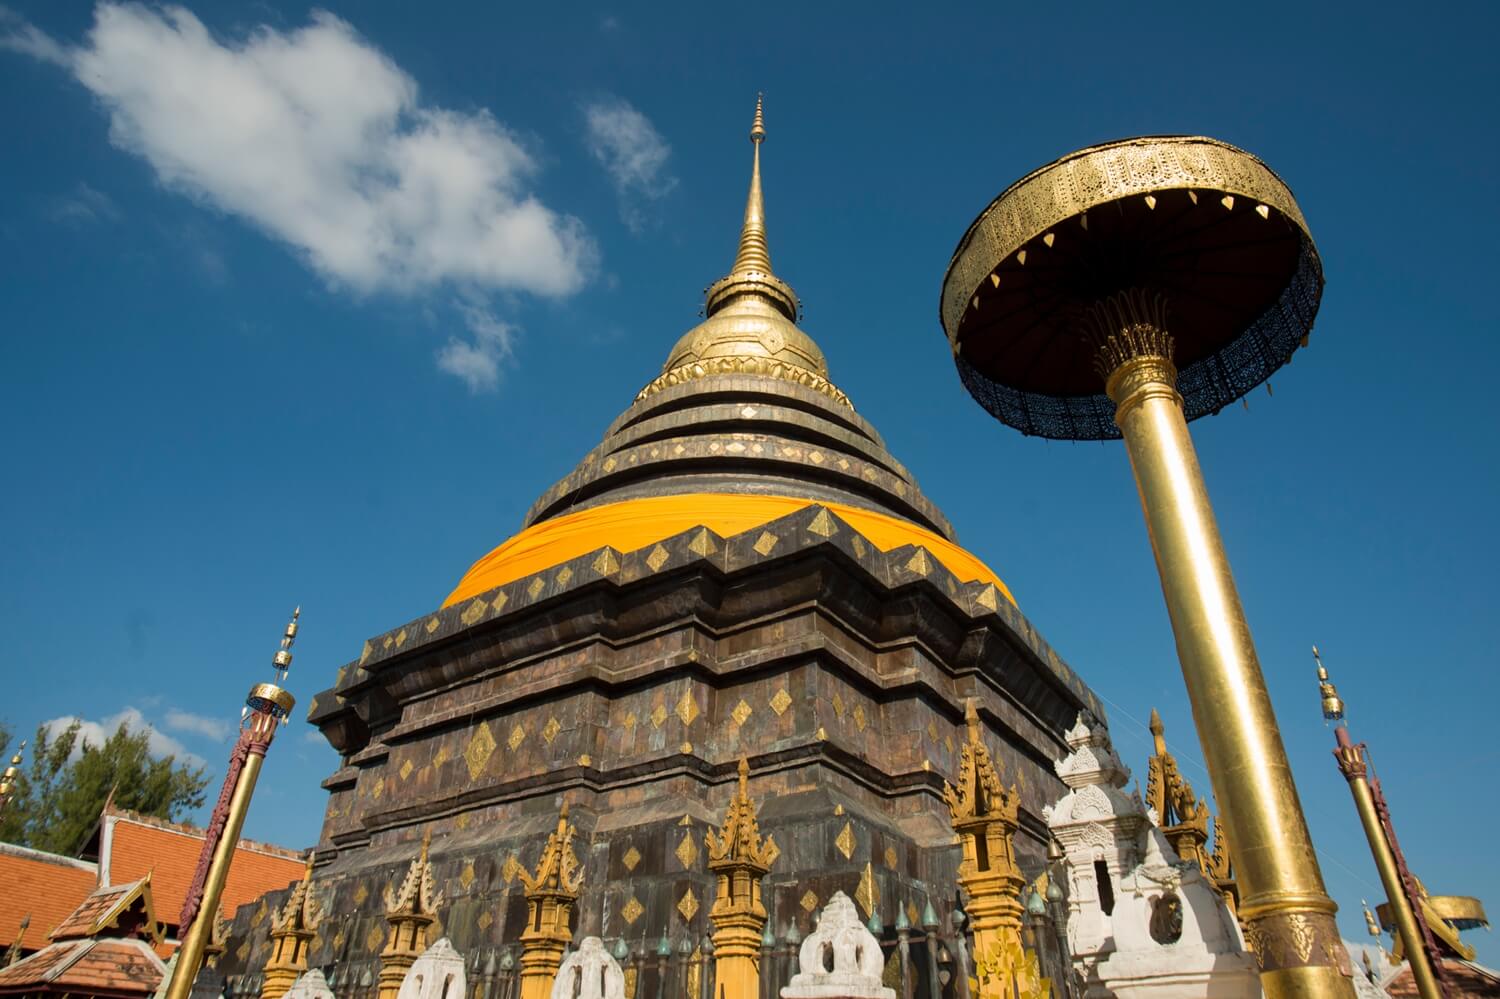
(632, 524)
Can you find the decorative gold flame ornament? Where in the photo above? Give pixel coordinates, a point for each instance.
(266, 709)
(8, 779)
(1414, 936)
(293, 927)
(410, 910)
(550, 896)
(1175, 273)
(1185, 818)
(740, 859)
(986, 815)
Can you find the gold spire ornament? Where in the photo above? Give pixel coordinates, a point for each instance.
(1185, 819)
(740, 859)
(550, 896)
(986, 816)
(293, 926)
(410, 909)
(750, 324)
(12, 773)
(266, 709)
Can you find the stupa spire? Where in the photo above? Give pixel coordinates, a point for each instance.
(753, 255)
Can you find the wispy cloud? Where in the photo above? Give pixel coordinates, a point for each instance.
(218, 729)
(477, 360)
(85, 205)
(633, 153)
(316, 137)
(95, 733)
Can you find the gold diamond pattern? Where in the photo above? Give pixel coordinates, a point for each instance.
(510, 869)
(772, 852)
(564, 576)
(479, 750)
(822, 525)
(462, 822)
(702, 544)
(379, 789)
(387, 644)
(932, 732)
(629, 720)
(890, 857)
(766, 542)
(845, 840)
(988, 598)
(606, 564)
(243, 951)
(400, 638)
(948, 743)
(362, 657)
(868, 892)
(441, 756)
(466, 878)
(432, 625)
(657, 558)
(517, 736)
(374, 938)
(687, 851)
(631, 910)
(838, 705)
(360, 894)
(911, 913)
(499, 602)
(919, 563)
(406, 769)
(474, 611)
(780, 701)
(741, 712)
(687, 708)
(688, 905)
(631, 858)
(860, 721)
(536, 587)
(809, 901)
(859, 546)
(550, 730)
(658, 715)
(485, 920)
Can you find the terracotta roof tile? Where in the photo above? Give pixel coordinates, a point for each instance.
(42, 885)
(91, 967)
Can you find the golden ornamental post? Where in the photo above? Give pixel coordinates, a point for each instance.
(740, 859)
(1175, 273)
(1416, 940)
(266, 708)
(550, 896)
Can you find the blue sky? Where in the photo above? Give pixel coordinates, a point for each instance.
(307, 307)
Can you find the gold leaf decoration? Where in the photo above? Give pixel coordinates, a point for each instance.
(485, 920)
(564, 575)
(375, 938)
(658, 715)
(466, 878)
(890, 857)
(868, 892)
(631, 911)
(932, 731)
(477, 753)
(858, 545)
(441, 756)
(780, 701)
(687, 851)
(631, 858)
(550, 730)
(629, 722)
(766, 542)
(365, 654)
(498, 602)
(607, 564)
(517, 736)
(860, 721)
(989, 598)
(474, 611)
(919, 563)
(361, 893)
(432, 625)
(687, 708)
(510, 869)
(400, 638)
(688, 905)
(406, 769)
(536, 587)
(822, 525)
(657, 558)
(702, 544)
(809, 901)
(838, 705)
(845, 840)
(741, 712)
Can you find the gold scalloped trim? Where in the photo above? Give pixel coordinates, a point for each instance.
(744, 365)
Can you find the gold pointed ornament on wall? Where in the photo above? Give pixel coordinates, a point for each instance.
(410, 909)
(986, 815)
(293, 926)
(739, 858)
(550, 896)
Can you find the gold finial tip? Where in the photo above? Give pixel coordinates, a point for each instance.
(744, 766)
(758, 126)
(564, 814)
(1156, 726)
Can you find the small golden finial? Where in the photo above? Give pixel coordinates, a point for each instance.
(8, 779)
(744, 776)
(1333, 706)
(758, 126)
(1371, 926)
(282, 661)
(971, 719)
(1158, 733)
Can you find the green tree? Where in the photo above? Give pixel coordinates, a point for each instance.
(59, 795)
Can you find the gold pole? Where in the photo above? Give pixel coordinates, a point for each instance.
(1353, 766)
(1287, 914)
(190, 955)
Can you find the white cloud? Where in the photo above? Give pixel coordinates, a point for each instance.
(96, 733)
(632, 152)
(85, 205)
(218, 729)
(477, 361)
(319, 139)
